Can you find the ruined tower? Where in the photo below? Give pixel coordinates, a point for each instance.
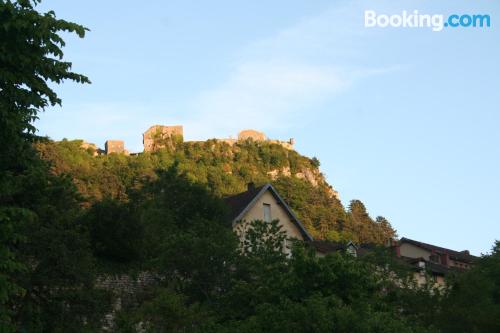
(114, 146)
(155, 137)
(249, 134)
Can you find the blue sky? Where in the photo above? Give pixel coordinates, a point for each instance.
(404, 119)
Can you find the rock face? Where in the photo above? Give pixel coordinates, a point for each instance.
(308, 175)
(153, 137)
(313, 176)
(285, 171)
(91, 147)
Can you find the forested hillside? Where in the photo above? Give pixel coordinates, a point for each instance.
(224, 170)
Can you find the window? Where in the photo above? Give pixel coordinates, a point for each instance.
(434, 258)
(267, 212)
(351, 250)
(287, 247)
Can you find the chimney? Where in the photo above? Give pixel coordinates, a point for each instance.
(445, 258)
(251, 186)
(394, 244)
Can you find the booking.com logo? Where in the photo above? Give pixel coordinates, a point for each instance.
(436, 22)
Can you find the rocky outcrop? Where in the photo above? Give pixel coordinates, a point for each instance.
(308, 175)
(313, 176)
(274, 174)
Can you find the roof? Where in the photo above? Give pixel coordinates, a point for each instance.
(237, 203)
(430, 266)
(326, 247)
(241, 203)
(455, 255)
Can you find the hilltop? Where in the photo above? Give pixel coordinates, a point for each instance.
(225, 169)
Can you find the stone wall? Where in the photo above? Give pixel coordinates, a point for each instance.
(256, 136)
(251, 135)
(125, 290)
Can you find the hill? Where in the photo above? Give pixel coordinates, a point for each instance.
(223, 169)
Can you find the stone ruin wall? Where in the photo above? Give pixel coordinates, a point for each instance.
(160, 132)
(155, 133)
(256, 136)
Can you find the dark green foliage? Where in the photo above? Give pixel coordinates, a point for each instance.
(187, 235)
(273, 293)
(262, 289)
(10, 263)
(165, 311)
(473, 302)
(114, 231)
(58, 275)
(46, 273)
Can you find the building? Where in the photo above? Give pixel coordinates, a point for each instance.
(156, 136)
(264, 203)
(429, 263)
(114, 146)
(432, 261)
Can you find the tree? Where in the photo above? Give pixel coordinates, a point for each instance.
(30, 58)
(115, 232)
(315, 162)
(472, 303)
(9, 264)
(274, 292)
(364, 228)
(40, 284)
(187, 237)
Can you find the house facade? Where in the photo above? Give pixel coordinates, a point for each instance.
(431, 261)
(265, 204)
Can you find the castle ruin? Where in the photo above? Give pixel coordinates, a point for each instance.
(159, 136)
(154, 138)
(114, 146)
(253, 135)
(250, 134)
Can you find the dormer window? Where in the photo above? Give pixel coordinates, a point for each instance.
(267, 212)
(351, 250)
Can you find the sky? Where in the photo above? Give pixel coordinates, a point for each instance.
(404, 119)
